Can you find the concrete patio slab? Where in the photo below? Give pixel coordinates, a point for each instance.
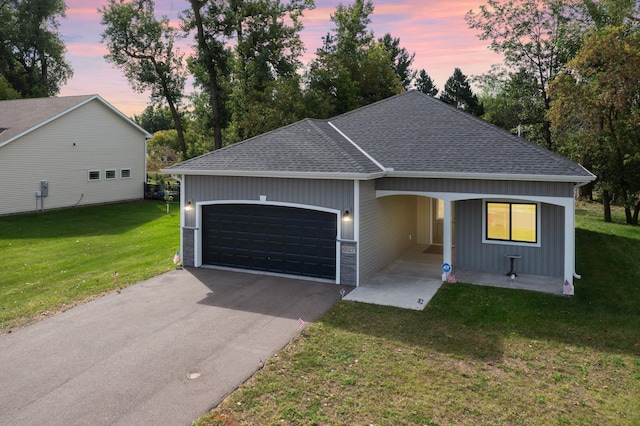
(409, 282)
(412, 280)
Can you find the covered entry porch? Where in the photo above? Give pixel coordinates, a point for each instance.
(481, 230)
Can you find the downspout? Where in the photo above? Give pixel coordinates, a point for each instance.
(575, 274)
(182, 189)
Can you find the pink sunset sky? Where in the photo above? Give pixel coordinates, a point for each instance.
(434, 29)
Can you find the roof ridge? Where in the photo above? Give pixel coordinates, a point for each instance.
(377, 103)
(336, 146)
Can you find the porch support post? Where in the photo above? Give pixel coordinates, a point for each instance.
(447, 236)
(569, 243)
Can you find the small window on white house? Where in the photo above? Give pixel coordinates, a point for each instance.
(125, 173)
(110, 174)
(94, 175)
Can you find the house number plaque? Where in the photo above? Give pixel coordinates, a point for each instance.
(349, 249)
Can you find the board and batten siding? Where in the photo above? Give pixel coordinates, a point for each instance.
(473, 254)
(103, 140)
(469, 186)
(386, 225)
(333, 194)
(326, 193)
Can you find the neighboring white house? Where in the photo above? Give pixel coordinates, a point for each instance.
(68, 151)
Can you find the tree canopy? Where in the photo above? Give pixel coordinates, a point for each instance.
(352, 69)
(537, 36)
(457, 92)
(143, 48)
(32, 61)
(596, 108)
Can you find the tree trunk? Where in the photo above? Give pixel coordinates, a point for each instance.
(628, 215)
(208, 61)
(178, 123)
(636, 213)
(606, 203)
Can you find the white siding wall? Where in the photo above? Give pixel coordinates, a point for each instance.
(385, 226)
(103, 140)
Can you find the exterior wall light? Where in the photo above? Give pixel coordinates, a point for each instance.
(189, 206)
(346, 217)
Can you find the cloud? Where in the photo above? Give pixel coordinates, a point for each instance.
(434, 29)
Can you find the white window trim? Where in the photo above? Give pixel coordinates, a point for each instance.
(126, 177)
(94, 171)
(505, 242)
(115, 174)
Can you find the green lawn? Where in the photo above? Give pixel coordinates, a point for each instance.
(56, 259)
(475, 355)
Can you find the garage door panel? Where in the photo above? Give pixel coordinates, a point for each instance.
(269, 238)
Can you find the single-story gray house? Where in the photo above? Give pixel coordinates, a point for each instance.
(68, 151)
(339, 199)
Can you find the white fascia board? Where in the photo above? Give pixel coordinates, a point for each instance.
(493, 176)
(277, 174)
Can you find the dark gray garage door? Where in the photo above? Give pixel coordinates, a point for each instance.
(278, 239)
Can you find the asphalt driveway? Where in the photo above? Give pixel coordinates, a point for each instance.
(161, 352)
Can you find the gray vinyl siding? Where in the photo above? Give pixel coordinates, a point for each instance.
(471, 253)
(468, 186)
(333, 194)
(385, 226)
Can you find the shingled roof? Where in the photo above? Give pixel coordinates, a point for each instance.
(410, 134)
(21, 116)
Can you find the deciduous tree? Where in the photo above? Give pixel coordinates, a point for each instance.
(351, 69)
(539, 36)
(210, 63)
(597, 108)
(143, 48)
(32, 52)
(266, 44)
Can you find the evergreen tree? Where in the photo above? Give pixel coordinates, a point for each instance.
(425, 84)
(401, 60)
(457, 92)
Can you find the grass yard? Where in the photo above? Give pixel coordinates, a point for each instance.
(54, 260)
(475, 355)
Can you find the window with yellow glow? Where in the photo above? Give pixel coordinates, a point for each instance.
(512, 222)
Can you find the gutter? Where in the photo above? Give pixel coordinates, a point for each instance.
(277, 174)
